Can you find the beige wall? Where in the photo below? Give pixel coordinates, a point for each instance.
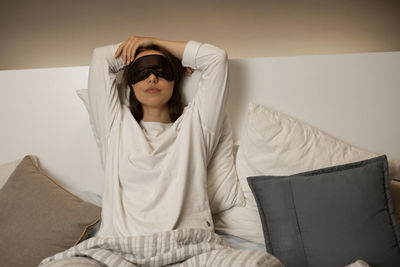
(55, 33)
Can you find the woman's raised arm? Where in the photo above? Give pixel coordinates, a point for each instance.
(212, 92)
(128, 48)
(103, 94)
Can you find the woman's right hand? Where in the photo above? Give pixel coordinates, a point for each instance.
(128, 48)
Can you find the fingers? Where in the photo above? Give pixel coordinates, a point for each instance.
(117, 52)
(131, 48)
(128, 49)
(123, 55)
(133, 52)
(189, 71)
(121, 46)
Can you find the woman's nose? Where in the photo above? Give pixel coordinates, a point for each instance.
(152, 77)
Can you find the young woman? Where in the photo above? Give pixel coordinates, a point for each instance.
(155, 152)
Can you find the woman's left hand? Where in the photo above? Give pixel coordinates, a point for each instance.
(128, 48)
(189, 71)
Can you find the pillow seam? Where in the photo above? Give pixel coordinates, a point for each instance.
(264, 222)
(52, 180)
(297, 221)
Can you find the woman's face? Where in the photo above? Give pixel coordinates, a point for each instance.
(162, 88)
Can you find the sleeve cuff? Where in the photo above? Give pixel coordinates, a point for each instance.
(189, 54)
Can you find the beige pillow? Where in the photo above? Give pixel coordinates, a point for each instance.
(38, 217)
(277, 144)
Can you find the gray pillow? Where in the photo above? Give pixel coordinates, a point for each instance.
(331, 216)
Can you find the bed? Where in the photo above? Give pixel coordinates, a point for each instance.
(344, 108)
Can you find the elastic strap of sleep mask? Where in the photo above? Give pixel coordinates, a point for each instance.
(141, 68)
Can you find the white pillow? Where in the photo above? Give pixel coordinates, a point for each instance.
(276, 144)
(224, 191)
(6, 169)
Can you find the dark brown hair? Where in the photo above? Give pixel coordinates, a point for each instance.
(175, 104)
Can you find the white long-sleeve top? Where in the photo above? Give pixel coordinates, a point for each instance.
(156, 173)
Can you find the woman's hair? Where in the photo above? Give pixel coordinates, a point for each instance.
(175, 104)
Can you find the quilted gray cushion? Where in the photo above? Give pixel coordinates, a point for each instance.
(331, 216)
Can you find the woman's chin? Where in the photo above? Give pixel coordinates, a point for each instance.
(155, 104)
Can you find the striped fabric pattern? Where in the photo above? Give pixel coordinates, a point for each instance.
(181, 247)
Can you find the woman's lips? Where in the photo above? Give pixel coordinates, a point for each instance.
(152, 90)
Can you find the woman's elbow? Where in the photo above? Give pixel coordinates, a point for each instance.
(222, 55)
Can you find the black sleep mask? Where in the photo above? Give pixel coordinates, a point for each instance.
(141, 68)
